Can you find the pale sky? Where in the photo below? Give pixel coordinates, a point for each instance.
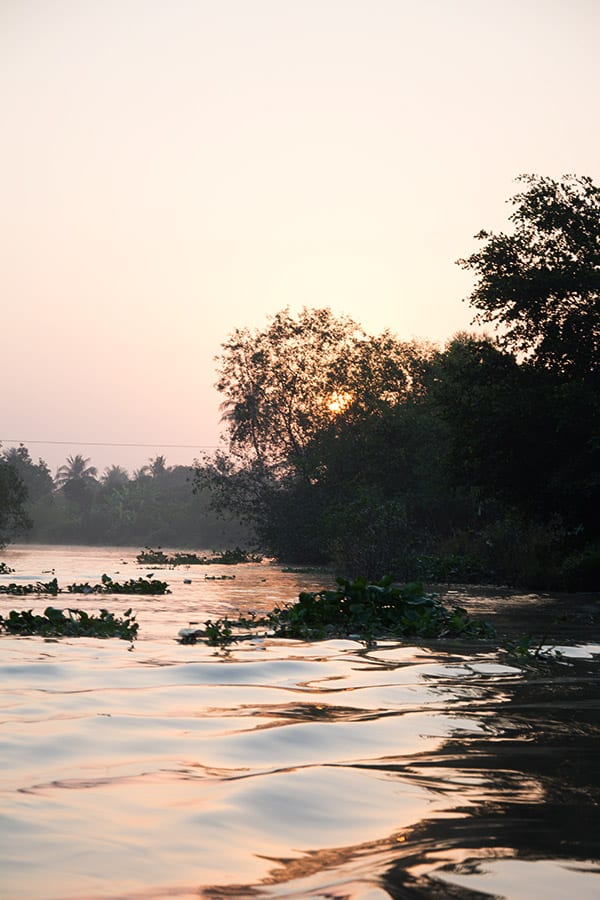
(173, 169)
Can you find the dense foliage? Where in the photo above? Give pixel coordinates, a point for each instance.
(476, 461)
(70, 623)
(542, 282)
(13, 497)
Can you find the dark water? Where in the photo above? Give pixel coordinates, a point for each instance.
(282, 769)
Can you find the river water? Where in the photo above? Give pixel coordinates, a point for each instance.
(282, 769)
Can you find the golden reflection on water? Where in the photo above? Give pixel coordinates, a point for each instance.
(287, 770)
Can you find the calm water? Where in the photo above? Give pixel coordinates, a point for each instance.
(282, 769)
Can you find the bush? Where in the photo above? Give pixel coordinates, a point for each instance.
(581, 571)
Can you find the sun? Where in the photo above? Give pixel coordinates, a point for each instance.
(338, 401)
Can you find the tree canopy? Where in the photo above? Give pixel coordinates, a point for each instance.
(13, 495)
(540, 285)
(284, 384)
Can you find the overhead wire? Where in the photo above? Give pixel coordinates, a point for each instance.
(112, 444)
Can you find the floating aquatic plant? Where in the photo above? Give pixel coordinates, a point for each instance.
(358, 609)
(70, 623)
(150, 557)
(40, 587)
(148, 585)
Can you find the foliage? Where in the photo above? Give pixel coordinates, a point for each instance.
(76, 468)
(13, 495)
(541, 284)
(35, 476)
(70, 623)
(40, 587)
(580, 570)
(5, 569)
(148, 556)
(448, 568)
(283, 384)
(359, 609)
(374, 609)
(311, 402)
(157, 506)
(146, 585)
(520, 441)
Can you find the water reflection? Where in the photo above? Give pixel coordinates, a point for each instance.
(290, 770)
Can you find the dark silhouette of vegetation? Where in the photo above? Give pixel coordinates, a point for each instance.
(70, 623)
(150, 557)
(13, 498)
(40, 587)
(478, 461)
(541, 284)
(147, 585)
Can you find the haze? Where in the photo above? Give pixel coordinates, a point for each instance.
(173, 170)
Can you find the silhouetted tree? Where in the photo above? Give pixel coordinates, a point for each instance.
(13, 494)
(540, 285)
(115, 477)
(35, 476)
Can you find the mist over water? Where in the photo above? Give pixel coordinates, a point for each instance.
(284, 769)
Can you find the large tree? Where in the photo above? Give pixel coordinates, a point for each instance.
(303, 399)
(540, 285)
(77, 480)
(284, 384)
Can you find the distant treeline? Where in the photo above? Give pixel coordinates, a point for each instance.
(154, 506)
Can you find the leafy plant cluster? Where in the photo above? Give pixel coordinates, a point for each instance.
(40, 587)
(234, 557)
(358, 609)
(146, 585)
(5, 569)
(70, 623)
(108, 586)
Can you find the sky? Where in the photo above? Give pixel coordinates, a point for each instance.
(171, 170)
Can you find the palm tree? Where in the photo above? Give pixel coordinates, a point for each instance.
(76, 468)
(115, 477)
(158, 466)
(77, 480)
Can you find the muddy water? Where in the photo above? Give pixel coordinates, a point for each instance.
(282, 769)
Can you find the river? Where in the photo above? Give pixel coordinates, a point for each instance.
(284, 769)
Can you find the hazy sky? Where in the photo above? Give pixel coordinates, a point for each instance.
(173, 169)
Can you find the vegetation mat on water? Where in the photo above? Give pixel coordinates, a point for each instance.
(70, 623)
(356, 609)
(146, 585)
(40, 587)
(150, 557)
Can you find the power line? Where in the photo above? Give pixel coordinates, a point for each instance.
(114, 444)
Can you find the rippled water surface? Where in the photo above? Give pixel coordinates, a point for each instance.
(281, 769)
